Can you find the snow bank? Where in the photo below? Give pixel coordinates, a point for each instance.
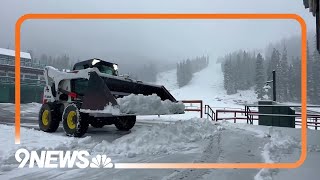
(273, 151)
(280, 144)
(148, 105)
(32, 140)
(160, 139)
(142, 105)
(25, 108)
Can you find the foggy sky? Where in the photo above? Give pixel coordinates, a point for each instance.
(157, 40)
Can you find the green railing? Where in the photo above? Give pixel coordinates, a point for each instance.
(26, 81)
(31, 90)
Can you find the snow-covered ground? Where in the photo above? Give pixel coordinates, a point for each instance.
(196, 140)
(169, 138)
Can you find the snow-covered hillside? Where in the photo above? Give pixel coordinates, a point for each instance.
(206, 85)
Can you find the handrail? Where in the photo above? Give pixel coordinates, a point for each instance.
(209, 112)
(313, 119)
(194, 101)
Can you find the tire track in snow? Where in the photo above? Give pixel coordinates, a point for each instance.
(228, 146)
(211, 154)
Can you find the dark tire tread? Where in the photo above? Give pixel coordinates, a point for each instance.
(54, 117)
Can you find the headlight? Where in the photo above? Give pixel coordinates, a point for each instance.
(115, 66)
(95, 61)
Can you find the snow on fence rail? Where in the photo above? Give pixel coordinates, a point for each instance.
(242, 114)
(191, 107)
(313, 120)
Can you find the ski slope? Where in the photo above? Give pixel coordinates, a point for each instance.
(206, 85)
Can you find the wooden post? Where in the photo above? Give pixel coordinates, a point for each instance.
(201, 109)
(217, 115)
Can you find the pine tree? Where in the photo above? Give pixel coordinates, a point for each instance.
(315, 85)
(274, 65)
(274, 61)
(283, 77)
(228, 79)
(260, 79)
(297, 77)
(291, 85)
(310, 78)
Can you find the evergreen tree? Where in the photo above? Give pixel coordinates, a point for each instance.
(292, 92)
(297, 77)
(274, 65)
(274, 61)
(310, 78)
(260, 79)
(282, 73)
(185, 69)
(315, 85)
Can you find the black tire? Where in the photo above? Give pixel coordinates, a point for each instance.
(49, 117)
(74, 122)
(125, 123)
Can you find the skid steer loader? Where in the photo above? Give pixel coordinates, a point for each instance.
(91, 85)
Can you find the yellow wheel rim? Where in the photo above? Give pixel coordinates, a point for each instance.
(70, 122)
(45, 117)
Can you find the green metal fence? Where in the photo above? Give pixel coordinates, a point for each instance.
(30, 92)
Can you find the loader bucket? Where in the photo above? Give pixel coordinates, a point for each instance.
(102, 91)
(97, 94)
(122, 87)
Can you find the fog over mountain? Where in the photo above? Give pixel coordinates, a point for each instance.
(135, 42)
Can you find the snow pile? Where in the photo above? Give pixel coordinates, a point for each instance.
(279, 144)
(28, 108)
(257, 130)
(141, 105)
(273, 151)
(278, 147)
(148, 105)
(160, 139)
(32, 140)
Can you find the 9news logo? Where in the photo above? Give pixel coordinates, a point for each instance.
(61, 159)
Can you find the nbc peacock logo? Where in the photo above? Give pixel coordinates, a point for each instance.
(101, 161)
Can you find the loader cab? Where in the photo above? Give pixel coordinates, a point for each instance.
(103, 66)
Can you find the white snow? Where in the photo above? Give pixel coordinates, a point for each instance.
(32, 140)
(109, 109)
(148, 105)
(206, 85)
(26, 109)
(10, 52)
(141, 105)
(159, 139)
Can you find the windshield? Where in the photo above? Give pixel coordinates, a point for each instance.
(107, 69)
